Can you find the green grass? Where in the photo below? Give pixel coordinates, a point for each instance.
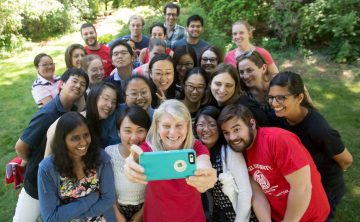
(334, 88)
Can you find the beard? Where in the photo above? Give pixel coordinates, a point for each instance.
(93, 43)
(245, 143)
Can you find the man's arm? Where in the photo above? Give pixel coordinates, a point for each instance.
(259, 202)
(344, 159)
(299, 195)
(22, 149)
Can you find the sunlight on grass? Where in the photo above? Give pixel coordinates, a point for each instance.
(329, 95)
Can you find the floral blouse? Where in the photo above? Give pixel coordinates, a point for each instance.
(71, 190)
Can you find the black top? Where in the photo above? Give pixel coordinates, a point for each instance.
(322, 141)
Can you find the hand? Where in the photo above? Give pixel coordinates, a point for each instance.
(161, 95)
(203, 179)
(133, 171)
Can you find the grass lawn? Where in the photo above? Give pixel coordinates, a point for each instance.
(334, 88)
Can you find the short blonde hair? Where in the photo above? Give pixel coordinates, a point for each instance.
(137, 17)
(179, 112)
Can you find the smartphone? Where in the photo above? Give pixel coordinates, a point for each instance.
(166, 165)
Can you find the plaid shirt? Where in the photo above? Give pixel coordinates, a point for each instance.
(178, 33)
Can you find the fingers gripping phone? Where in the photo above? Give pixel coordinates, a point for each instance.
(165, 165)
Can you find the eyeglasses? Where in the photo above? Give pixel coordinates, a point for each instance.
(171, 14)
(47, 65)
(210, 126)
(185, 65)
(211, 60)
(192, 88)
(248, 54)
(279, 98)
(121, 53)
(135, 95)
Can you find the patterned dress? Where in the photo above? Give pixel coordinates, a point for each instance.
(223, 208)
(73, 189)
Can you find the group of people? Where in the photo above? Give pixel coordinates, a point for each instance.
(264, 152)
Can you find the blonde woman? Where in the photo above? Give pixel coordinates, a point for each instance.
(176, 199)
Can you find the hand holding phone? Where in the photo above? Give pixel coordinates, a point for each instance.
(165, 165)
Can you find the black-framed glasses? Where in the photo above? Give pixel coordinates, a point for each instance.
(47, 65)
(279, 98)
(211, 60)
(192, 88)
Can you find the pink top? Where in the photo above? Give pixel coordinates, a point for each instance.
(230, 56)
(173, 200)
(275, 154)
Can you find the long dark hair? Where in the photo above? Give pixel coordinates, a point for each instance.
(92, 112)
(171, 91)
(62, 161)
(295, 85)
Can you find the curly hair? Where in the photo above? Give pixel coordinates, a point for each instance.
(62, 160)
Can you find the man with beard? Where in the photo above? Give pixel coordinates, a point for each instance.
(279, 166)
(194, 29)
(89, 35)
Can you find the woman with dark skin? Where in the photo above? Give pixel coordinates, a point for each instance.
(76, 180)
(288, 99)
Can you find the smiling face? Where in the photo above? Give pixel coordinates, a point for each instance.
(240, 35)
(162, 74)
(194, 29)
(209, 61)
(121, 57)
(207, 130)
(172, 132)
(46, 68)
(89, 35)
(250, 74)
(130, 133)
(171, 16)
(95, 71)
(185, 63)
(283, 102)
(76, 56)
(237, 134)
(138, 93)
(73, 88)
(158, 33)
(222, 87)
(106, 103)
(194, 88)
(78, 141)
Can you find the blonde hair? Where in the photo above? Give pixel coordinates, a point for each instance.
(249, 28)
(179, 112)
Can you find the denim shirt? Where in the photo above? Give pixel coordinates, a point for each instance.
(94, 204)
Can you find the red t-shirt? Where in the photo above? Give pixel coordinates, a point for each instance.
(275, 154)
(104, 53)
(173, 200)
(230, 56)
(146, 56)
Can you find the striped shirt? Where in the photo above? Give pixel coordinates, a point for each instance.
(43, 88)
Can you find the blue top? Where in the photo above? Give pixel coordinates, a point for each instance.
(109, 132)
(138, 45)
(178, 33)
(35, 136)
(94, 204)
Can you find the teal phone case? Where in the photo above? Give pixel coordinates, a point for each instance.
(166, 165)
